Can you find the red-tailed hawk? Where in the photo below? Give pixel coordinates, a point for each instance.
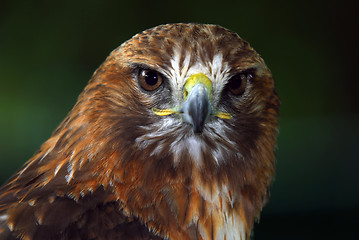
(172, 138)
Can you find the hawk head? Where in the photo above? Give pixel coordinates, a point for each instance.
(178, 126)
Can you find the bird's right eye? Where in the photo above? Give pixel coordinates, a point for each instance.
(150, 80)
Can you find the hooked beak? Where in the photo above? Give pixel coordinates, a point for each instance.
(196, 108)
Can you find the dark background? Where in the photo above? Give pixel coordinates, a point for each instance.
(49, 50)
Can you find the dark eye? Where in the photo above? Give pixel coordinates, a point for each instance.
(238, 83)
(150, 80)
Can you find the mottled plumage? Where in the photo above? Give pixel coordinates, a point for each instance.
(136, 158)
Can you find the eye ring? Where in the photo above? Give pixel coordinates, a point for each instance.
(238, 83)
(149, 80)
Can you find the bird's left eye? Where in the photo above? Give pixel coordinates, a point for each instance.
(238, 83)
(150, 80)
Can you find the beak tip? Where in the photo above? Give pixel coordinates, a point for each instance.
(197, 129)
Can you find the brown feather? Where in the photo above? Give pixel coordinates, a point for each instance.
(112, 171)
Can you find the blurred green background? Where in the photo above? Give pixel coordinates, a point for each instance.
(49, 50)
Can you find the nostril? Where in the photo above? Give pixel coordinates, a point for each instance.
(185, 93)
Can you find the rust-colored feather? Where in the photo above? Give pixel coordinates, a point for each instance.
(114, 169)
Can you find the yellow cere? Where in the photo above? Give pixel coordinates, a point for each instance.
(194, 80)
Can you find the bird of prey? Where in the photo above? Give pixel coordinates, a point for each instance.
(172, 138)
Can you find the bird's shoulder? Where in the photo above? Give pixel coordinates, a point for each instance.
(94, 216)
